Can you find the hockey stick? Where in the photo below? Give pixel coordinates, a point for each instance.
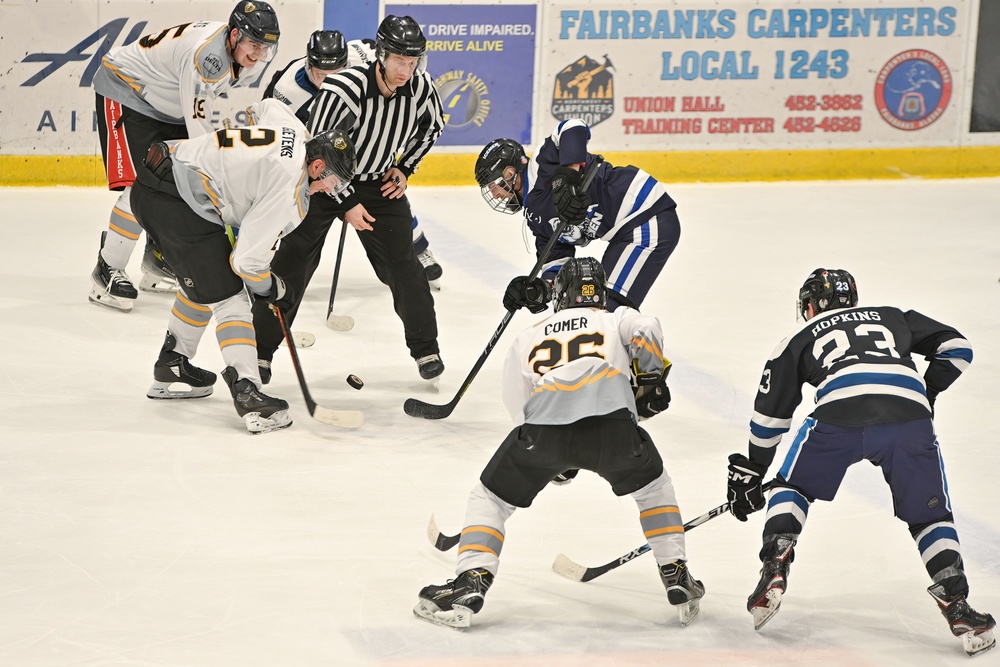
(418, 408)
(564, 567)
(342, 418)
(440, 541)
(338, 322)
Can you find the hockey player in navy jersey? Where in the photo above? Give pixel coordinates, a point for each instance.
(624, 206)
(161, 87)
(575, 384)
(871, 403)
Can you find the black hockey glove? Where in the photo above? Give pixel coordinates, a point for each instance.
(745, 494)
(281, 295)
(565, 477)
(570, 202)
(522, 293)
(652, 399)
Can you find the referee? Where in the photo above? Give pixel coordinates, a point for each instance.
(388, 108)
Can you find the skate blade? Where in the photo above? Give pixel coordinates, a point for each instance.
(257, 424)
(162, 390)
(975, 644)
(762, 615)
(687, 611)
(340, 322)
(114, 302)
(157, 284)
(458, 618)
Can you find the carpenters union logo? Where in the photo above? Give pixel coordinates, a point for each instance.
(465, 98)
(913, 89)
(585, 89)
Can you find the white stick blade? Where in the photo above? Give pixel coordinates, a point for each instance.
(432, 531)
(341, 418)
(340, 322)
(564, 567)
(303, 339)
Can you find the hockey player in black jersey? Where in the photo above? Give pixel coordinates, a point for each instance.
(575, 383)
(871, 403)
(624, 206)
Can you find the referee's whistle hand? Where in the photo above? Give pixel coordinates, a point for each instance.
(393, 184)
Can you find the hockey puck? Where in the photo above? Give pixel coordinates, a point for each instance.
(355, 381)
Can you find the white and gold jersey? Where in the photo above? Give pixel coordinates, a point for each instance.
(578, 363)
(251, 178)
(174, 76)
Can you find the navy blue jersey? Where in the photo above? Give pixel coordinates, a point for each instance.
(624, 197)
(859, 361)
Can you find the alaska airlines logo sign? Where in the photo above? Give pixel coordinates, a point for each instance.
(104, 38)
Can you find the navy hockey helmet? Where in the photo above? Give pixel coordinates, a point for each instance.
(827, 289)
(580, 283)
(336, 150)
(491, 165)
(256, 21)
(400, 35)
(327, 50)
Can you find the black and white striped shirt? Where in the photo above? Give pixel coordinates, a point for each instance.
(405, 125)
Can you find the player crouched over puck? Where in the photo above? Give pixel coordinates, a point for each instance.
(571, 384)
(256, 179)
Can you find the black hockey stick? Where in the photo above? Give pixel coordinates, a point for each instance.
(342, 418)
(418, 408)
(338, 322)
(564, 567)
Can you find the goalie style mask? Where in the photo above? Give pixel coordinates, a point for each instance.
(827, 289)
(580, 283)
(258, 23)
(337, 152)
(498, 166)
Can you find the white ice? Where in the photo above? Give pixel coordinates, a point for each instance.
(139, 532)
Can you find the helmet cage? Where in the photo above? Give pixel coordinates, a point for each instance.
(580, 283)
(496, 182)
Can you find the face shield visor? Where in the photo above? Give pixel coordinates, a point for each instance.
(258, 50)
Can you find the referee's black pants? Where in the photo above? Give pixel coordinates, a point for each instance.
(390, 250)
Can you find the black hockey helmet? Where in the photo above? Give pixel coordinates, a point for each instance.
(827, 289)
(327, 50)
(491, 164)
(256, 21)
(400, 35)
(336, 150)
(580, 283)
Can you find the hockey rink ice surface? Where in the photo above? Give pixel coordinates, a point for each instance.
(160, 533)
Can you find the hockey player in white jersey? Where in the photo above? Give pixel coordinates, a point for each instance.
(255, 179)
(298, 83)
(164, 87)
(575, 385)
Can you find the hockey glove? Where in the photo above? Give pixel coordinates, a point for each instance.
(571, 203)
(522, 293)
(564, 478)
(745, 494)
(281, 295)
(652, 399)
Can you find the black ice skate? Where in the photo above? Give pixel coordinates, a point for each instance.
(453, 604)
(430, 367)
(975, 629)
(157, 276)
(432, 269)
(111, 287)
(683, 590)
(262, 413)
(172, 369)
(763, 603)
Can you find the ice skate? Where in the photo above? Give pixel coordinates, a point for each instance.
(683, 590)
(111, 287)
(765, 600)
(172, 369)
(431, 367)
(975, 629)
(453, 604)
(260, 412)
(157, 276)
(432, 269)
